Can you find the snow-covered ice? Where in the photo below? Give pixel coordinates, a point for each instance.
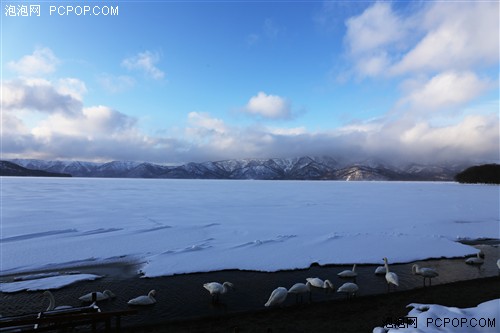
(184, 226)
(430, 318)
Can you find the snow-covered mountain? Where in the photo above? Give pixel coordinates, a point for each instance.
(12, 169)
(300, 168)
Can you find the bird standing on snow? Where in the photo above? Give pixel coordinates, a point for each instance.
(427, 273)
(390, 277)
(215, 289)
(144, 299)
(278, 296)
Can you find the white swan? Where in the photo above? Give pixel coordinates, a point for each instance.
(106, 294)
(498, 263)
(477, 260)
(318, 283)
(390, 277)
(349, 288)
(380, 270)
(144, 299)
(300, 289)
(348, 273)
(426, 272)
(52, 302)
(277, 297)
(215, 288)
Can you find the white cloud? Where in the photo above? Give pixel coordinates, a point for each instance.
(42, 61)
(378, 26)
(476, 135)
(457, 35)
(437, 36)
(41, 95)
(72, 87)
(445, 90)
(268, 106)
(145, 62)
(375, 38)
(288, 131)
(203, 123)
(437, 50)
(374, 65)
(91, 123)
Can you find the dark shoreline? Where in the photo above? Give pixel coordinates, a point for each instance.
(360, 314)
(184, 306)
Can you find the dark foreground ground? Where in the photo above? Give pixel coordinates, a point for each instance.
(360, 314)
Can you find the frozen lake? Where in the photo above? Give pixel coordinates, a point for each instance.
(185, 226)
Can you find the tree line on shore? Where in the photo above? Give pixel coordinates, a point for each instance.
(480, 174)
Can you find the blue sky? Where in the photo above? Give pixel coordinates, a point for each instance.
(174, 82)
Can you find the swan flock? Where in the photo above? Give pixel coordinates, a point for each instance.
(279, 294)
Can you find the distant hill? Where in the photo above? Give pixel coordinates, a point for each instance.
(299, 168)
(484, 174)
(11, 169)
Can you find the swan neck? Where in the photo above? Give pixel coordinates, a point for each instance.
(52, 301)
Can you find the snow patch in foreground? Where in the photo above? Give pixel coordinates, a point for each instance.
(45, 283)
(430, 318)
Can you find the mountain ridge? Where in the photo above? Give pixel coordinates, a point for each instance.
(12, 169)
(298, 168)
